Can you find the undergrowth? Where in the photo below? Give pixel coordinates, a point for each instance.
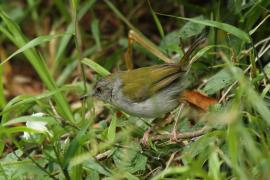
(53, 52)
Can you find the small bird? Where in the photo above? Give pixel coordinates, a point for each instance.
(147, 92)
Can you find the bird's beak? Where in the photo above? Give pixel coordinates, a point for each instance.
(87, 95)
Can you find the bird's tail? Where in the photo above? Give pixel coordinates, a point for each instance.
(187, 55)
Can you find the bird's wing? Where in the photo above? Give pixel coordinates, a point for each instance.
(142, 83)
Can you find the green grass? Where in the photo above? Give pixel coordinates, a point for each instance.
(69, 46)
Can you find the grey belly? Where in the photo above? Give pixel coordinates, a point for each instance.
(151, 108)
(161, 103)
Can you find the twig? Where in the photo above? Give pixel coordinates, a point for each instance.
(171, 159)
(176, 121)
(226, 93)
(259, 43)
(153, 171)
(58, 117)
(183, 135)
(103, 155)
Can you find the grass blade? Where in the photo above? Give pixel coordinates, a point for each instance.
(96, 67)
(37, 62)
(96, 33)
(35, 42)
(158, 24)
(223, 26)
(111, 130)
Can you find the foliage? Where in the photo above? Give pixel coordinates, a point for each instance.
(53, 134)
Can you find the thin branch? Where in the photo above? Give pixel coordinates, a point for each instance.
(258, 43)
(171, 159)
(103, 155)
(183, 135)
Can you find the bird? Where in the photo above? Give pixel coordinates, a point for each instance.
(147, 92)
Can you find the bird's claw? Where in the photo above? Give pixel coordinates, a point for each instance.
(173, 137)
(145, 138)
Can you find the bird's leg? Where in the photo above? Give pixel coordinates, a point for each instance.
(137, 37)
(146, 135)
(174, 131)
(162, 123)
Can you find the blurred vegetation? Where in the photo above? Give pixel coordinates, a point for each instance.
(52, 53)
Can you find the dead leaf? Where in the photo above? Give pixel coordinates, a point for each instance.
(197, 99)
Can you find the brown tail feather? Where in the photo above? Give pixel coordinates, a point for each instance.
(185, 59)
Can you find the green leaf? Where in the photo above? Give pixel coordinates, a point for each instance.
(223, 26)
(191, 29)
(220, 80)
(252, 96)
(88, 162)
(37, 62)
(2, 146)
(172, 40)
(96, 33)
(130, 159)
(171, 171)
(74, 4)
(214, 166)
(2, 95)
(258, 104)
(64, 42)
(65, 74)
(74, 146)
(157, 22)
(112, 129)
(22, 119)
(23, 100)
(35, 42)
(253, 14)
(61, 5)
(19, 129)
(18, 168)
(70, 30)
(201, 52)
(95, 66)
(200, 146)
(120, 15)
(92, 164)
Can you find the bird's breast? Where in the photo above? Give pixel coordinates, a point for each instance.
(162, 102)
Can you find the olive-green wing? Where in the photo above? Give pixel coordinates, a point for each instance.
(142, 83)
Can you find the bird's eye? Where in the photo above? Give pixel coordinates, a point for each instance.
(98, 90)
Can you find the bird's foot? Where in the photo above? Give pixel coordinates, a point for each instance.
(146, 135)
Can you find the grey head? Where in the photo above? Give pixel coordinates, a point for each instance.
(103, 89)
